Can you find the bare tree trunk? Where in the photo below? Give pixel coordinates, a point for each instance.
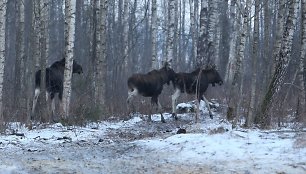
(303, 62)
(96, 50)
(202, 58)
(193, 32)
(229, 74)
(20, 59)
(70, 7)
(237, 84)
(254, 66)
(29, 57)
(126, 32)
(40, 56)
(283, 58)
(154, 34)
(212, 21)
(43, 6)
(171, 27)
(101, 55)
(2, 53)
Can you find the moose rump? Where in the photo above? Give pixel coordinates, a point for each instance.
(150, 85)
(54, 82)
(197, 83)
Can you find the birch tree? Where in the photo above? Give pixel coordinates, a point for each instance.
(236, 85)
(43, 42)
(283, 58)
(171, 26)
(254, 66)
(126, 32)
(40, 54)
(212, 21)
(154, 33)
(193, 32)
(2, 53)
(70, 7)
(229, 74)
(20, 57)
(202, 40)
(101, 55)
(302, 66)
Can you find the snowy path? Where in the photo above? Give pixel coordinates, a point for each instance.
(136, 146)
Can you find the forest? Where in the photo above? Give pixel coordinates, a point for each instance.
(258, 47)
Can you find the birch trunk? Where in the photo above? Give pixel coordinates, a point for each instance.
(154, 34)
(20, 62)
(254, 66)
(39, 57)
(170, 49)
(238, 78)
(193, 32)
(96, 49)
(212, 21)
(267, 49)
(126, 32)
(43, 7)
(303, 60)
(70, 7)
(2, 52)
(101, 55)
(236, 85)
(202, 40)
(283, 58)
(229, 74)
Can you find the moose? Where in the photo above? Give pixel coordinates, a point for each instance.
(150, 85)
(195, 82)
(54, 81)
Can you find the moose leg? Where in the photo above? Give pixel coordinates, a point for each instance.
(36, 94)
(162, 119)
(208, 107)
(131, 94)
(53, 108)
(155, 101)
(176, 94)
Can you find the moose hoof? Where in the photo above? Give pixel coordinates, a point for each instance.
(181, 131)
(163, 120)
(211, 116)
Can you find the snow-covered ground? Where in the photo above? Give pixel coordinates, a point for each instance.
(138, 146)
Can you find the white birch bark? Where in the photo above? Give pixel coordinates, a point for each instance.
(20, 60)
(43, 42)
(283, 58)
(125, 32)
(302, 77)
(170, 49)
(212, 21)
(238, 79)
(101, 55)
(70, 7)
(254, 66)
(97, 34)
(2, 52)
(280, 30)
(229, 74)
(201, 58)
(193, 31)
(154, 34)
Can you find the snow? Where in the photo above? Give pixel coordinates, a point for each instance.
(139, 146)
